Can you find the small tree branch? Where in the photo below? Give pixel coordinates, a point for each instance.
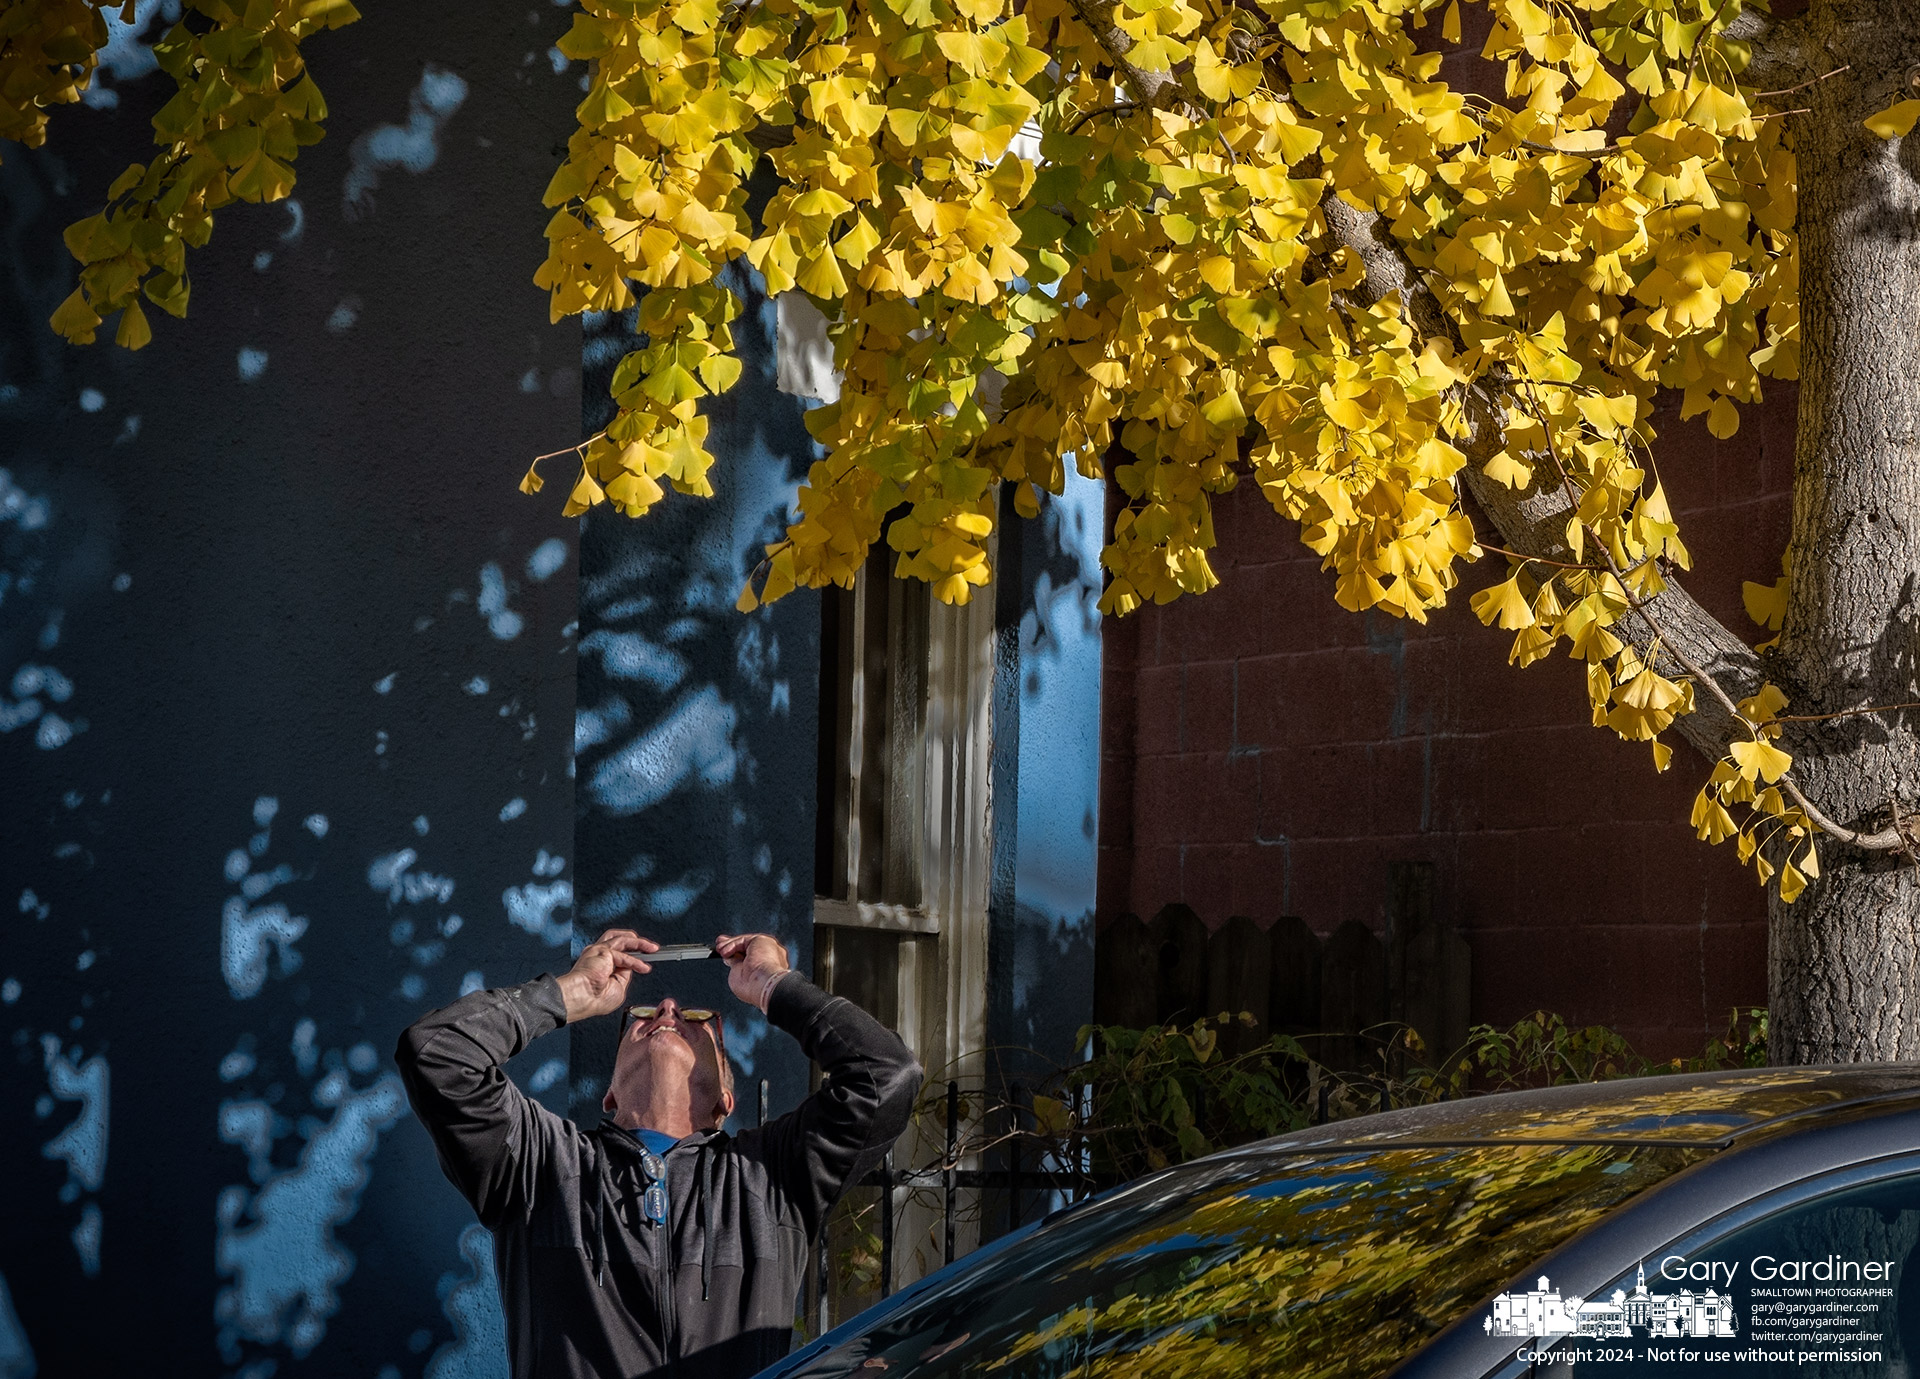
(1815, 81)
(1845, 713)
(1117, 108)
(1699, 42)
(1539, 559)
(1159, 89)
(1533, 523)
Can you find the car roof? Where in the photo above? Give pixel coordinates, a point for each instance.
(1706, 1109)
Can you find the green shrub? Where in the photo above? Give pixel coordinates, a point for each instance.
(1151, 1097)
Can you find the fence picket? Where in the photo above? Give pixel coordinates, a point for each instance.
(1293, 1000)
(1428, 962)
(1126, 974)
(1240, 977)
(1353, 993)
(1182, 984)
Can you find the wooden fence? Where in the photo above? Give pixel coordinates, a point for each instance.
(1325, 992)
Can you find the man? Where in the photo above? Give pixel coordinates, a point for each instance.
(656, 1243)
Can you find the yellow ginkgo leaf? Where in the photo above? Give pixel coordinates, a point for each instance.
(1496, 302)
(1766, 604)
(1896, 121)
(1711, 822)
(75, 319)
(585, 494)
(134, 332)
(1723, 418)
(1760, 760)
(1222, 81)
(1764, 706)
(1504, 604)
(1505, 469)
(633, 493)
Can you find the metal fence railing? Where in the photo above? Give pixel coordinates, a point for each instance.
(1019, 1182)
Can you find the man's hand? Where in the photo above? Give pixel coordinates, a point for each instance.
(597, 985)
(755, 962)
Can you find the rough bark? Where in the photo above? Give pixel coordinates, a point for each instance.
(1533, 521)
(1844, 960)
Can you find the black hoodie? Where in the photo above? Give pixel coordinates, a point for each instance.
(589, 1286)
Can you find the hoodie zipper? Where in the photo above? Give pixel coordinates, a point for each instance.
(670, 1311)
(668, 1263)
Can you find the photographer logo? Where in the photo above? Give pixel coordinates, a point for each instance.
(1543, 1312)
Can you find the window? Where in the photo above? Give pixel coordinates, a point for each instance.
(873, 712)
(902, 844)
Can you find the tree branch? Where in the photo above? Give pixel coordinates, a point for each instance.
(1117, 108)
(1533, 522)
(1159, 89)
(1811, 81)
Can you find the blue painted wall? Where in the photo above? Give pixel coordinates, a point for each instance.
(286, 705)
(288, 743)
(696, 729)
(1046, 758)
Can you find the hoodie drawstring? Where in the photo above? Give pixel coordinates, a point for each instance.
(598, 1207)
(599, 1247)
(706, 1221)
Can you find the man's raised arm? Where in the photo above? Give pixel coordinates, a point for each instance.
(831, 1140)
(493, 1141)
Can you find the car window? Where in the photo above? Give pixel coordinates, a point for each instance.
(1336, 1266)
(1821, 1287)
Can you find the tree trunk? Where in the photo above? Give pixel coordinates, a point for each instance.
(1844, 959)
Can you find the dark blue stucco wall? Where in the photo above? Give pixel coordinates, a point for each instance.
(696, 727)
(286, 704)
(1046, 759)
(288, 743)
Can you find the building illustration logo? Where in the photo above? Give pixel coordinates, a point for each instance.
(1543, 1312)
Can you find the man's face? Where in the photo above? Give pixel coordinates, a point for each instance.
(668, 1051)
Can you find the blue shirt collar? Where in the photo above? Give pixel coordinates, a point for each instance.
(659, 1141)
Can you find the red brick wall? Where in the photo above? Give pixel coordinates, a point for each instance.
(1265, 752)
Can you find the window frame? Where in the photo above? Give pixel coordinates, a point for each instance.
(915, 739)
(910, 850)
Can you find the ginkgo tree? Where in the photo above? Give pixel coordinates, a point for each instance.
(1269, 242)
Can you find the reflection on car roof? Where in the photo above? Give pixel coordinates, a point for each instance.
(1678, 1109)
